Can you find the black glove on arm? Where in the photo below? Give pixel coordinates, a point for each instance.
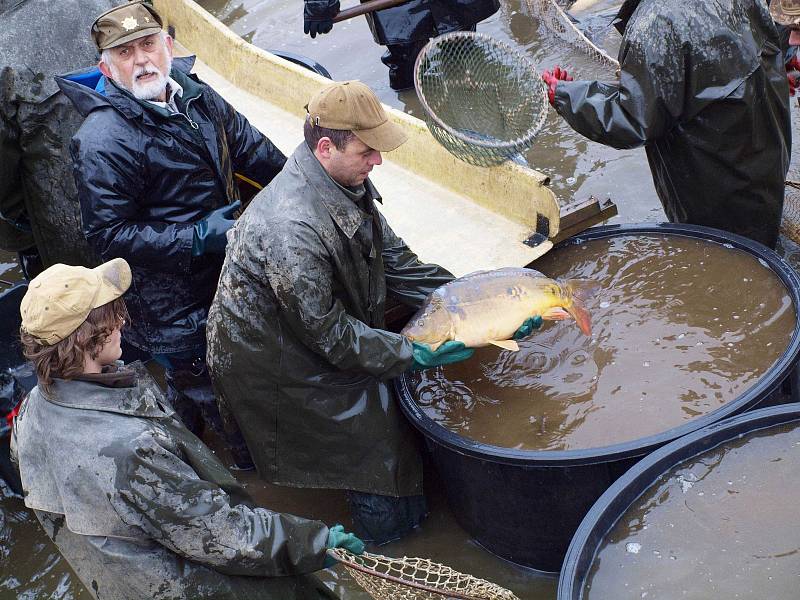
(318, 16)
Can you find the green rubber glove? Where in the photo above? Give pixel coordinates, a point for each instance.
(530, 325)
(210, 231)
(338, 538)
(447, 353)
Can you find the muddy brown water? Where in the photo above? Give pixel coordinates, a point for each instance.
(721, 525)
(679, 327)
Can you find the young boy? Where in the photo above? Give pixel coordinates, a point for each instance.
(139, 506)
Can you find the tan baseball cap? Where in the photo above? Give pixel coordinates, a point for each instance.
(785, 12)
(125, 23)
(60, 298)
(353, 106)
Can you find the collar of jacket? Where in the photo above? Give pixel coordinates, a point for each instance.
(342, 209)
(143, 399)
(86, 99)
(624, 15)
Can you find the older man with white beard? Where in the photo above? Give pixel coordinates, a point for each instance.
(154, 164)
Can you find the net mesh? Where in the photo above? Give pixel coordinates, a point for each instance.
(484, 101)
(409, 578)
(557, 22)
(790, 220)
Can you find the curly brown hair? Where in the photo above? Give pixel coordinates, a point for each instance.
(65, 358)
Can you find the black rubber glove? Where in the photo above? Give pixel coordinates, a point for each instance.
(210, 232)
(318, 16)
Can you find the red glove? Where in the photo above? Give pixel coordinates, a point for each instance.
(793, 74)
(794, 82)
(10, 416)
(551, 79)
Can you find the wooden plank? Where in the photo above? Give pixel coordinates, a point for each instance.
(578, 217)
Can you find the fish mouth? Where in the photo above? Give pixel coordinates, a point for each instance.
(555, 314)
(576, 312)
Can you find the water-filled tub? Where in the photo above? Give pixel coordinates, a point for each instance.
(525, 505)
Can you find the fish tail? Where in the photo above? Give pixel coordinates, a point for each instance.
(580, 290)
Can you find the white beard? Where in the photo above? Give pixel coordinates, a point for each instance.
(144, 91)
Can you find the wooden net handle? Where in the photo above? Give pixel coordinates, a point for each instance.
(366, 7)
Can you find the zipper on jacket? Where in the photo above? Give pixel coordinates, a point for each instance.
(194, 125)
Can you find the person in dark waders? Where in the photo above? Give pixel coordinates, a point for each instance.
(39, 211)
(703, 88)
(297, 344)
(154, 166)
(404, 29)
(138, 506)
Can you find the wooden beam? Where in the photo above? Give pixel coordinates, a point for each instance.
(578, 217)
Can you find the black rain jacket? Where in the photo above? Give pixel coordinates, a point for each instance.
(703, 88)
(420, 20)
(144, 178)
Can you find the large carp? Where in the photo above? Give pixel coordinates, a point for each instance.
(487, 307)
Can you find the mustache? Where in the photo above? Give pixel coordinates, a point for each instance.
(143, 71)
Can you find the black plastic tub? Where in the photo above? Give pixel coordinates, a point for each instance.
(616, 500)
(525, 505)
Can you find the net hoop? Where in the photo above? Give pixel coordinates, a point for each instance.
(555, 19)
(465, 144)
(357, 564)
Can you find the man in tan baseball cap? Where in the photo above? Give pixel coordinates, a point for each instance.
(353, 106)
(362, 130)
(298, 345)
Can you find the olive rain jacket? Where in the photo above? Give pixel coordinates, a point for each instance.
(703, 89)
(297, 346)
(420, 20)
(144, 178)
(38, 39)
(141, 508)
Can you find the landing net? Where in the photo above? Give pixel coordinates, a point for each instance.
(790, 220)
(484, 101)
(556, 21)
(409, 578)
